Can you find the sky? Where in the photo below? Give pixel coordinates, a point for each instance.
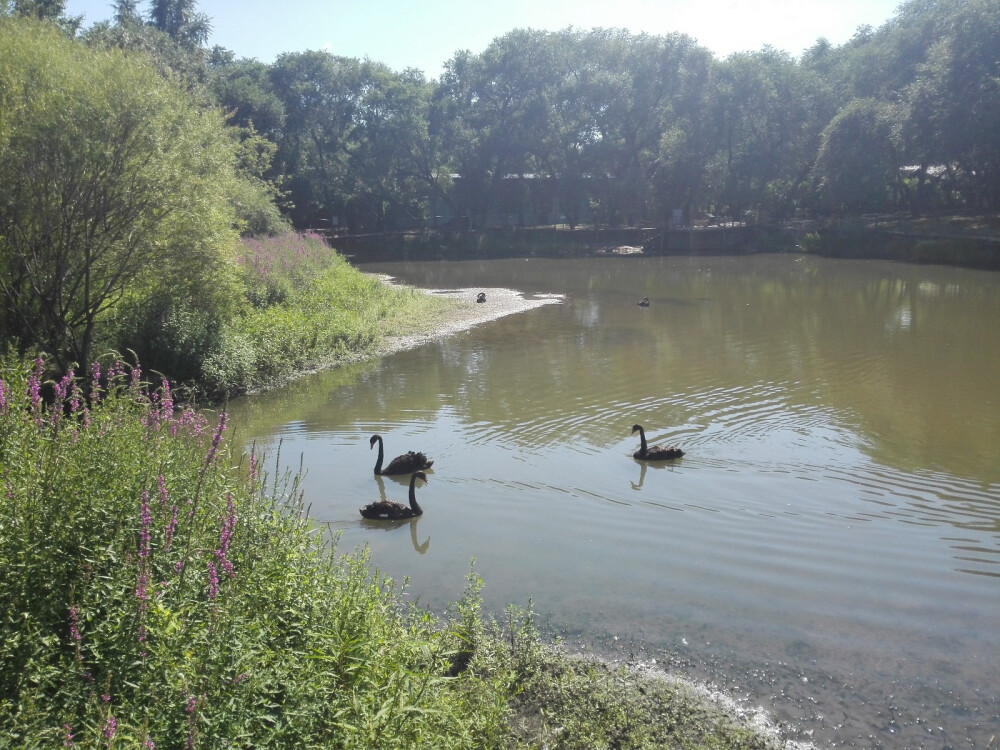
(425, 34)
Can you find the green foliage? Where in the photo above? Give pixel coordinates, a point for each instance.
(308, 308)
(117, 186)
(151, 592)
(857, 167)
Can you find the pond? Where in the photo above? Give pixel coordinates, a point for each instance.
(827, 548)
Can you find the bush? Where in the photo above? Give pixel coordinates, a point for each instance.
(153, 595)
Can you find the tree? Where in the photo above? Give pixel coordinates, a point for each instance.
(42, 10)
(955, 102)
(179, 19)
(501, 105)
(117, 186)
(857, 167)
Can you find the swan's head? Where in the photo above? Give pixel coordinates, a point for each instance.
(636, 428)
(374, 439)
(420, 475)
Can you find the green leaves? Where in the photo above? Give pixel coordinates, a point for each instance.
(118, 186)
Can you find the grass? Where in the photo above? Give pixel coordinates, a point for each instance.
(308, 308)
(161, 592)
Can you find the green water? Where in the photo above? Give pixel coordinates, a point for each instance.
(828, 547)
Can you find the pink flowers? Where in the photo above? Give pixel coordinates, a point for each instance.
(216, 439)
(225, 535)
(74, 624)
(213, 580)
(35, 385)
(110, 727)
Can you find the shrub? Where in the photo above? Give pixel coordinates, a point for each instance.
(153, 595)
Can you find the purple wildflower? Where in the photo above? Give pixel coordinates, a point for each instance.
(5, 397)
(161, 482)
(216, 439)
(166, 402)
(95, 380)
(75, 401)
(62, 388)
(74, 623)
(192, 420)
(35, 385)
(226, 535)
(110, 727)
(68, 741)
(145, 520)
(254, 470)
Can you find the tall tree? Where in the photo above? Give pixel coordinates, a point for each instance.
(117, 184)
(858, 165)
(181, 21)
(42, 10)
(321, 94)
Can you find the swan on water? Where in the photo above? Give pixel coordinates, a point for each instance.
(403, 464)
(388, 509)
(654, 452)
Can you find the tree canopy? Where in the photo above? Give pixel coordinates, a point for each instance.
(617, 128)
(117, 186)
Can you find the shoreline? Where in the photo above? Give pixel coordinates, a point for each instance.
(500, 302)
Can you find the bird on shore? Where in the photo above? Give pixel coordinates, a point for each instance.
(390, 510)
(481, 297)
(404, 464)
(644, 302)
(654, 452)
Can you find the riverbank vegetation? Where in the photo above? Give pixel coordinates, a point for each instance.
(161, 591)
(156, 197)
(302, 307)
(121, 214)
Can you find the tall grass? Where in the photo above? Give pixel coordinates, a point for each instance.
(307, 308)
(153, 596)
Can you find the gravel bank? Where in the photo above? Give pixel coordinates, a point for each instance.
(499, 303)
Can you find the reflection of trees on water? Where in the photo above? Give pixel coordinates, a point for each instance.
(898, 353)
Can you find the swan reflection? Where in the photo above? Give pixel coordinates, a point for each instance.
(392, 525)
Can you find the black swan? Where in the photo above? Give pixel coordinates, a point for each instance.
(654, 452)
(481, 297)
(387, 509)
(400, 464)
(644, 302)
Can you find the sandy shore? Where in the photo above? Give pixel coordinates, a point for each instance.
(499, 303)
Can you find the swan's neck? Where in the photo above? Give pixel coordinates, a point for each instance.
(414, 506)
(378, 464)
(642, 442)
